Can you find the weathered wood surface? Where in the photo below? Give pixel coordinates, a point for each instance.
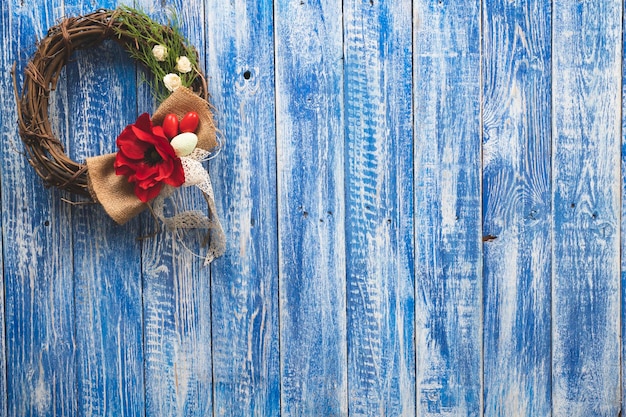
(516, 207)
(311, 213)
(107, 305)
(176, 289)
(379, 226)
(41, 371)
(447, 214)
(423, 205)
(246, 360)
(586, 84)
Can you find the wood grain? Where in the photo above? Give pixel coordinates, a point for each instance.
(448, 241)
(517, 208)
(311, 208)
(38, 248)
(423, 204)
(246, 365)
(623, 231)
(107, 287)
(586, 202)
(7, 117)
(379, 227)
(177, 288)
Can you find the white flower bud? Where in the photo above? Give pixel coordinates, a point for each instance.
(183, 64)
(172, 81)
(159, 52)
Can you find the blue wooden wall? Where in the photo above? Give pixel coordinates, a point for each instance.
(423, 202)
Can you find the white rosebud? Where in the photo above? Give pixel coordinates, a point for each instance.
(172, 82)
(183, 64)
(159, 52)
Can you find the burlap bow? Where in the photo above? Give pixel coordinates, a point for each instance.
(116, 194)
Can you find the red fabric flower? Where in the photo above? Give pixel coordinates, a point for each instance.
(148, 160)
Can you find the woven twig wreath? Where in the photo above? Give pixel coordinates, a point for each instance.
(156, 154)
(46, 152)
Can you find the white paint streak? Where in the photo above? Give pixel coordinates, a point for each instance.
(41, 394)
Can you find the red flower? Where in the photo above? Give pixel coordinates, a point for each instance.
(148, 160)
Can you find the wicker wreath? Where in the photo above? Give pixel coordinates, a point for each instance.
(46, 152)
(156, 154)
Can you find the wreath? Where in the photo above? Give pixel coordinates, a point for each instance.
(156, 154)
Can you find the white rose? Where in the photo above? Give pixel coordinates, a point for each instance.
(159, 52)
(183, 64)
(172, 81)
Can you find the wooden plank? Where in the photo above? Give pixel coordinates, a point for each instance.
(38, 250)
(517, 208)
(7, 121)
(586, 202)
(177, 291)
(379, 226)
(448, 208)
(107, 263)
(623, 230)
(246, 367)
(311, 207)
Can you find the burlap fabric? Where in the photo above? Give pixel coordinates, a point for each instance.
(114, 192)
(182, 101)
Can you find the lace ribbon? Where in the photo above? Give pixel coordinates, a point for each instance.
(195, 175)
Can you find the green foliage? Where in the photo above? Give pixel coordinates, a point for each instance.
(141, 34)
